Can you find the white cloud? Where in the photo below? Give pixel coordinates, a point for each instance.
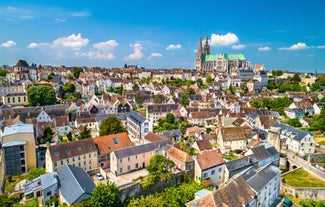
(154, 54)
(76, 42)
(174, 47)
(58, 20)
(266, 48)
(108, 45)
(27, 17)
(298, 46)
(224, 40)
(97, 55)
(238, 47)
(9, 43)
(80, 14)
(320, 47)
(35, 45)
(137, 52)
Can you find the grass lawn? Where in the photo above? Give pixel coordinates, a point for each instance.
(231, 156)
(320, 140)
(301, 178)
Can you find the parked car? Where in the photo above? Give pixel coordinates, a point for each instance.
(99, 176)
(287, 202)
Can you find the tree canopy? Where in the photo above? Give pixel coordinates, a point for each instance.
(84, 133)
(105, 195)
(111, 125)
(7, 201)
(34, 173)
(161, 168)
(77, 71)
(318, 121)
(41, 95)
(185, 100)
(159, 98)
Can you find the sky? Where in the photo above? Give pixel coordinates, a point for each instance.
(281, 34)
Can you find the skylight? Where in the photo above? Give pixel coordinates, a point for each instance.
(115, 140)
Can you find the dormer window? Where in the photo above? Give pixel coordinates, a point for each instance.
(90, 146)
(109, 148)
(68, 151)
(56, 154)
(79, 148)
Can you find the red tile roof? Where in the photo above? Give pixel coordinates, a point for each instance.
(107, 144)
(179, 154)
(210, 159)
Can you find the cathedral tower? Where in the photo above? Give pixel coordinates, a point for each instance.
(206, 46)
(199, 56)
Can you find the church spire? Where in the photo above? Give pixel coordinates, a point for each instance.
(199, 48)
(207, 46)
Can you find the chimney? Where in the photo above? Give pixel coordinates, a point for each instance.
(249, 159)
(258, 137)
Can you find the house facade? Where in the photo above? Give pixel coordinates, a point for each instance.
(18, 145)
(137, 126)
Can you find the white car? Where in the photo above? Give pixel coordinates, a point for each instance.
(99, 176)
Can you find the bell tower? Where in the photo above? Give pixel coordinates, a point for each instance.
(199, 56)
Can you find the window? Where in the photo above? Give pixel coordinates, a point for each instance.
(67, 160)
(146, 130)
(85, 162)
(121, 160)
(89, 155)
(205, 175)
(115, 140)
(56, 154)
(121, 170)
(55, 164)
(90, 146)
(79, 157)
(48, 193)
(79, 148)
(144, 154)
(136, 165)
(220, 169)
(68, 151)
(79, 164)
(73, 159)
(136, 157)
(109, 148)
(61, 162)
(129, 167)
(213, 172)
(129, 159)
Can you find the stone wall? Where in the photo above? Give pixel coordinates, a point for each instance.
(303, 193)
(134, 189)
(2, 172)
(316, 158)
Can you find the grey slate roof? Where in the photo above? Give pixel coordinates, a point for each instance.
(286, 129)
(139, 149)
(136, 117)
(241, 162)
(171, 133)
(272, 151)
(257, 180)
(260, 152)
(101, 117)
(49, 179)
(75, 182)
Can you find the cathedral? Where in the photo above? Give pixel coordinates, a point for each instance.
(222, 63)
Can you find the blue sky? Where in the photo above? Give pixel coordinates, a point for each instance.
(162, 34)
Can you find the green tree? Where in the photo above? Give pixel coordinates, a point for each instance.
(105, 195)
(159, 98)
(318, 121)
(50, 77)
(70, 76)
(111, 125)
(296, 77)
(47, 134)
(41, 95)
(199, 81)
(190, 90)
(294, 122)
(69, 87)
(160, 168)
(148, 201)
(185, 100)
(209, 79)
(61, 92)
(170, 118)
(34, 173)
(77, 71)
(8, 201)
(3, 72)
(84, 133)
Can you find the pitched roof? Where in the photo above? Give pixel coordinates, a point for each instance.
(179, 154)
(108, 143)
(71, 149)
(234, 133)
(210, 159)
(291, 131)
(153, 137)
(22, 63)
(236, 193)
(260, 152)
(75, 182)
(241, 162)
(136, 117)
(139, 149)
(204, 144)
(257, 180)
